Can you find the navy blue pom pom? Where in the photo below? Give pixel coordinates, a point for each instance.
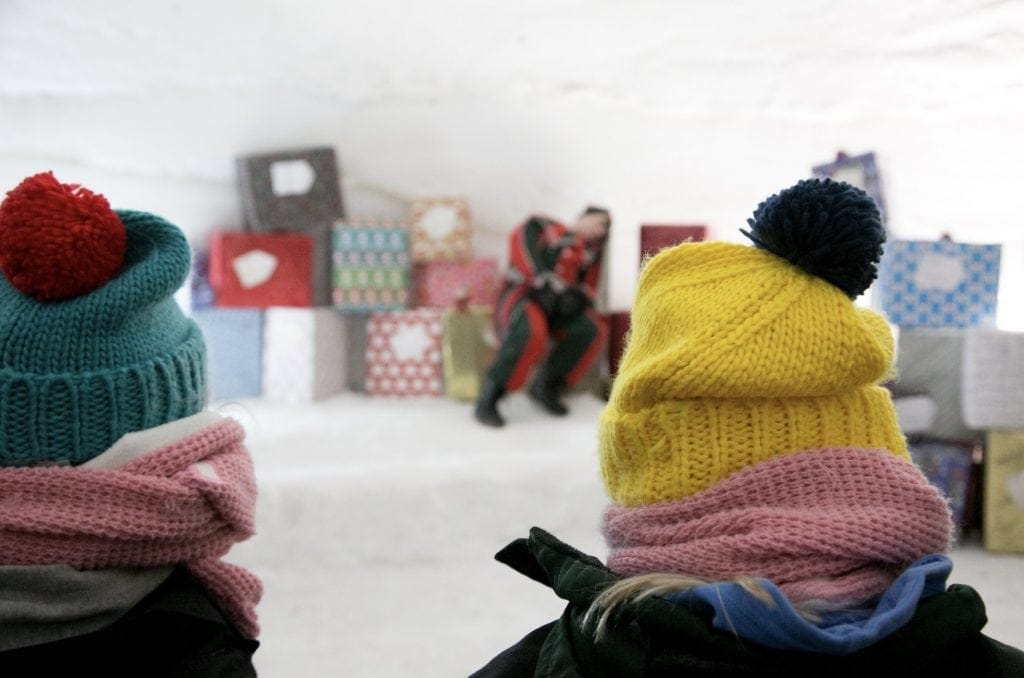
(828, 228)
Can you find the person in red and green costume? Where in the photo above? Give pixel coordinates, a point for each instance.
(550, 289)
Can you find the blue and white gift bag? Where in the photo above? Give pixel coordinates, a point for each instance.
(939, 283)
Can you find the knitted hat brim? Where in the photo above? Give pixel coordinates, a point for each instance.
(69, 418)
(680, 447)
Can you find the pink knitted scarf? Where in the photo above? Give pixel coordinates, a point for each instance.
(185, 503)
(832, 524)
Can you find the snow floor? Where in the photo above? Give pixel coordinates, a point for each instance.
(378, 520)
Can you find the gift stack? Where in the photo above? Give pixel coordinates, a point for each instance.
(303, 303)
(370, 273)
(417, 302)
(993, 401)
(942, 296)
(261, 294)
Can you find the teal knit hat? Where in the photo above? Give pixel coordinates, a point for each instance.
(92, 344)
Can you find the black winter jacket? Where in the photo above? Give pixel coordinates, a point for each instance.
(658, 638)
(175, 632)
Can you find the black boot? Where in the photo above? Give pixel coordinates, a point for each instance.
(547, 393)
(486, 411)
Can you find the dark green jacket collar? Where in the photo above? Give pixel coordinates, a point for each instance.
(656, 637)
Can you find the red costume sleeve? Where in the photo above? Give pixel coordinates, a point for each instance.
(534, 246)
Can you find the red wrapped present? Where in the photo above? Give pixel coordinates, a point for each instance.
(656, 237)
(403, 353)
(438, 283)
(261, 269)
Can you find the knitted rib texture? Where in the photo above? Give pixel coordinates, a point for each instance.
(76, 375)
(186, 503)
(737, 356)
(836, 525)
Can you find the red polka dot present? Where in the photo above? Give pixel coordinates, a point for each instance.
(403, 353)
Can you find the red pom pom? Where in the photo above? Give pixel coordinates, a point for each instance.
(59, 241)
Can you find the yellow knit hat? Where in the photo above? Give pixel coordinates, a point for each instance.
(738, 354)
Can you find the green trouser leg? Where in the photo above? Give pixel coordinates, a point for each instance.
(581, 338)
(524, 341)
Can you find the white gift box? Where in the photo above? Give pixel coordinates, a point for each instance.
(303, 354)
(993, 379)
(915, 413)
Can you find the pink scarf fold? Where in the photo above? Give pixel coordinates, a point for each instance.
(834, 524)
(184, 504)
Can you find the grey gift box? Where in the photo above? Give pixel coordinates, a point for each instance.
(930, 361)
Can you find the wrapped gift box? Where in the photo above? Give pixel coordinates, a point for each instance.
(438, 283)
(371, 266)
(403, 353)
(915, 414)
(928, 362)
(939, 284)
(355, 351)
(290, 190)
(993, 379)
(303, 354)
(322, 271)
(261, 270)
(656, 237)
(857, 170)
(948, 465)
(202, 294)
(441, 230)
(295, 190)
(467, 349)
(1004, 491)
(234, 351)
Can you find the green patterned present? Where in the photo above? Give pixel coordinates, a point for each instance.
(371, 266)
